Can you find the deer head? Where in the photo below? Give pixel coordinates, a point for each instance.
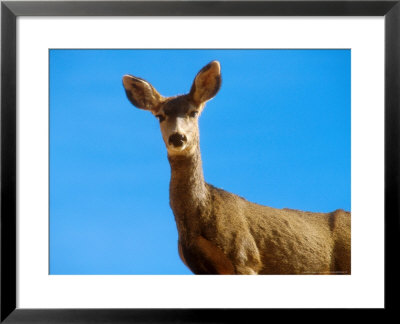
(178, 116)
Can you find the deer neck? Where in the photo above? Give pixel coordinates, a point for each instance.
(189, 196)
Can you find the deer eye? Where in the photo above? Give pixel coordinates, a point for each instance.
(193, 113)
(160, 118)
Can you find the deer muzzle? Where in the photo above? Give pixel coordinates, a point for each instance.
(177, 140)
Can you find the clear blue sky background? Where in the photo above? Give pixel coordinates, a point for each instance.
(277, 133)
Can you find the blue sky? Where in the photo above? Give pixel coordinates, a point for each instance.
(277, 133)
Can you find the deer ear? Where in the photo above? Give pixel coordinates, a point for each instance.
(207, 83)
(141, 93)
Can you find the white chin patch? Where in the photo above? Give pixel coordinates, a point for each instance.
(176, 150)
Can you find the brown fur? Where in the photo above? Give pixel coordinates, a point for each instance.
(222, 233)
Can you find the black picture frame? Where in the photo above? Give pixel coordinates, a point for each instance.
(10, 10)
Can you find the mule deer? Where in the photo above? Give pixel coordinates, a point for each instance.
(222, 233)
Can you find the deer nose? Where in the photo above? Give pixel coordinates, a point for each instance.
(177, 139)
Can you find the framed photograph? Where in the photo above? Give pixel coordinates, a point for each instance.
(143, 140)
